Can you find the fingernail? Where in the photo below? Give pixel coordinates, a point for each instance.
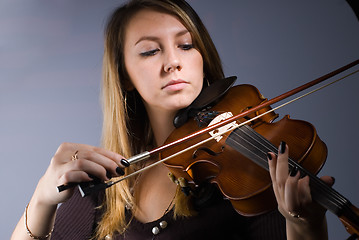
(108, 175)
(294, 171)
(125, 163)
(269, 156)
(120, 171)
(282, 147)
(333, 178)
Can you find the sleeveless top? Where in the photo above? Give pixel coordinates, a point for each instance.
(78, 217)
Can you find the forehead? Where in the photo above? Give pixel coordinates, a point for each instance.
(149, 22)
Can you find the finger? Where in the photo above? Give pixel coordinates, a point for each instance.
(272, 163)
(69, 149)
(291, 191)
(305, 196)
(113, 162)
(64, 152)
(109, 160)
(89, 167)
(328, 180)
(117, 158)
(282, 164)
(74, 177)
(111, 167)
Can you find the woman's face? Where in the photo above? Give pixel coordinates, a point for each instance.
(161, 61)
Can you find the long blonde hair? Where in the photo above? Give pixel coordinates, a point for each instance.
(124, 129)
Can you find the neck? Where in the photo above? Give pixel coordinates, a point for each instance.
(161, 123)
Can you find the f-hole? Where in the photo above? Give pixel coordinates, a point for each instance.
(206, 150)
(248, 118)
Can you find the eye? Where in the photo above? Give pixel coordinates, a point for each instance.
(186, 46)
(149, 53)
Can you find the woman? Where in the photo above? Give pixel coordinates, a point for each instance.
(158, 57)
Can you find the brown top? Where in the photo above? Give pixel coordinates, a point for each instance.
(76, 219)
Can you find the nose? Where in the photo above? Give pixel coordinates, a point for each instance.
(172, 61)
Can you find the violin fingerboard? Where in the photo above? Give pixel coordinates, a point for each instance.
(255, 147)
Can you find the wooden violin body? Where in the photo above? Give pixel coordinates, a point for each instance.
(241, 172)
(246, 184)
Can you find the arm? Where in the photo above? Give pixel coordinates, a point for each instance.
(302, 229)
(64, 168)
(39, 219)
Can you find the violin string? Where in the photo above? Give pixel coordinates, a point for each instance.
(229, 130)
(338, 200)
(171, 156)
(216, 135)
(342, 206)
(260, 154)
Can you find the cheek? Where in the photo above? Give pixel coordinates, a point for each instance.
(197, 68)
(196, 61)
(135, 76)
(139, 80)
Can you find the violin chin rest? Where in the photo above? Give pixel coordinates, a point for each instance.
(208, 97)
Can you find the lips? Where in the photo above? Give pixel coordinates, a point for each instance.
(173, 83)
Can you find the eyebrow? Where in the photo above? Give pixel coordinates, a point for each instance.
(153, 38)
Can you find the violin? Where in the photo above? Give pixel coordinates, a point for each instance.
(236, 161)
(224, 136)
(236, 158)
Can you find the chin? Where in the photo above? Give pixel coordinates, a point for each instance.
(182, 103)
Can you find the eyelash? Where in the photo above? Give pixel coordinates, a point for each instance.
(184, 47)
(149, 53)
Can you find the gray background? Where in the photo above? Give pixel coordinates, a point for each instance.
(50, 67)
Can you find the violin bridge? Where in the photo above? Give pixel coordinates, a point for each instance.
(217, 133)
